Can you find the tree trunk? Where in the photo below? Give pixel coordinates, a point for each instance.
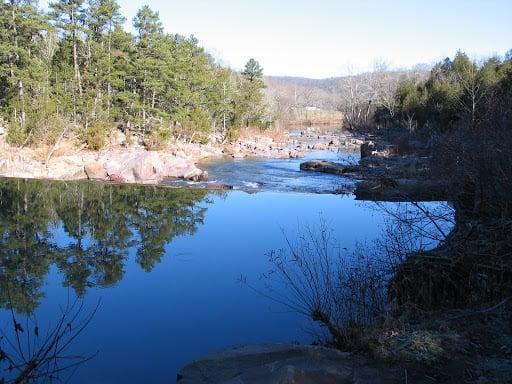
(21, 95)
(75, 54)
(109, 86)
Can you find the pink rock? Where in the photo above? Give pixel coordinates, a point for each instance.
(95, 171)
(150, 167)
(116, 179)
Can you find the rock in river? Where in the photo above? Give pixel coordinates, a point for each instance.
(144, 167)
(325, 167)
(367, 149)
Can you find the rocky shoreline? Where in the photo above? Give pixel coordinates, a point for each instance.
(283, 363)
(122, 163)
(383, 175)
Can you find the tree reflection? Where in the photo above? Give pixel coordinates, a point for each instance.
(102, 223)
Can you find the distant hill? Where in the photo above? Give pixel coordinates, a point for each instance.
(304, 81)
(326, 93)
(302, 92)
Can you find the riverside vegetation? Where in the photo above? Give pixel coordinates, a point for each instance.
(432, 299)
(74, 71)
(441, 308)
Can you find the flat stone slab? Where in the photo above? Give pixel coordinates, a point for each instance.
(287, 364)
(325, 167)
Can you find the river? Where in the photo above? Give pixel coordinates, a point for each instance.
(169, 267)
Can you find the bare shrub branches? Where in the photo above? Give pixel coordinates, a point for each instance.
(346, 291)
(342, 291)
(29, 353)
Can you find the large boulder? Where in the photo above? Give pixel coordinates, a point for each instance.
(323, 166)
(95, 171)
(270, 364)
(145, 167)
(180, 167)
(148, 167)
(384, 188)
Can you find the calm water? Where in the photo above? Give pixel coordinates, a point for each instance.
(166, 264)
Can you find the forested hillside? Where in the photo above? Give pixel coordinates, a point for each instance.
(74, 71)
(354, 97)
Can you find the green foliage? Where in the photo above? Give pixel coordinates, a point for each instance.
(232, 135)
(249, 108)
(95, 135)
(76, 64)
(147, 23)
(253, 70)
(157, 138)
(16, 135)
(411, 100)
(197, 122)
(456, 91)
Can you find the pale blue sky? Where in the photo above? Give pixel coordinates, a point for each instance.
(325, 37)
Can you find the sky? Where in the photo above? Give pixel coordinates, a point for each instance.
(326, 38)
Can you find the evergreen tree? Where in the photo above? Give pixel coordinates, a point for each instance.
(77, 64)
(22, 28)
(253, 70)
(250, 108)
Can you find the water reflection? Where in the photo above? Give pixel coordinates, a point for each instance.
(89, 236)
(100, 222)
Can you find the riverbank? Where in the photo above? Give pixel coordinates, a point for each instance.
(122, 162)
(384, 173)
(450, 308)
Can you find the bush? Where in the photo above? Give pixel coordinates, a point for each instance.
(16, 135)
(42, 125)
(157, 139)
(403, 145)
(95, 136)
(344, 293)
(232, 135)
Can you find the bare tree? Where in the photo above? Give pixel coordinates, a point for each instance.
(361, 95)
(356, 96)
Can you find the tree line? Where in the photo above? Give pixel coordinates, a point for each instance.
(453, 92)
(458, 91)
(74, 71)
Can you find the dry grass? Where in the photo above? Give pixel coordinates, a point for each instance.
(303, 117)
(279, 135)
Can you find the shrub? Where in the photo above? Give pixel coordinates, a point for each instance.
(157, 139)
(16, 135)
(342, 292)
(95, 136)
(232, 134)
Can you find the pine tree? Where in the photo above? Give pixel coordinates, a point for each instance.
(69, 16)
(250, 108)
(21, 68)
(76, 63)
(253, 70)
